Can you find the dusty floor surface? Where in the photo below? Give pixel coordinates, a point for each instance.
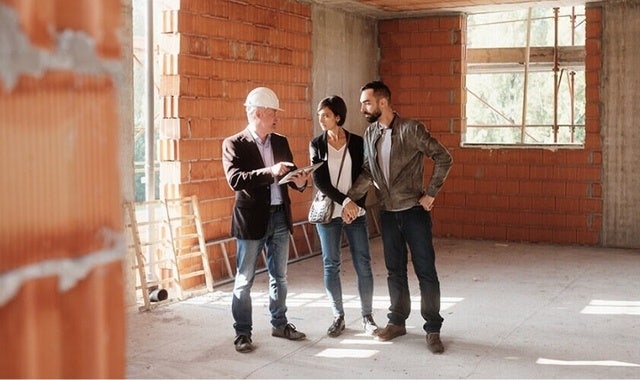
(511, 311)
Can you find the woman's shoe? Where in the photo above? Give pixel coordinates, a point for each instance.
(369, 325)
(337, 327)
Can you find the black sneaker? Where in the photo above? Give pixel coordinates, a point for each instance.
(337, 327)
(243, 344)
(289, 332)
(369, 325)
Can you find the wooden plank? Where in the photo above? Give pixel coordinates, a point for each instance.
(567, 55)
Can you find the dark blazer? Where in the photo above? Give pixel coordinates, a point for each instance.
(251, 180)
(318, 151)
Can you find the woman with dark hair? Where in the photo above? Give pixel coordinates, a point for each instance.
(342, 152)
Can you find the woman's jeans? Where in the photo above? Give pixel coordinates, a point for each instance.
(411, 227)
(276, 244)
(358, 237)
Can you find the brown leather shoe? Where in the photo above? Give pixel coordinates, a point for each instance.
(389, 332)
(434, 344)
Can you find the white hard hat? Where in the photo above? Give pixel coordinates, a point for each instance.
(263, 97)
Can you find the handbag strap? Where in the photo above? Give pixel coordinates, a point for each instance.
(344, 154)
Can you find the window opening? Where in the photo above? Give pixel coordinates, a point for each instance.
(145, 130)
(145, 90)
(527, 86)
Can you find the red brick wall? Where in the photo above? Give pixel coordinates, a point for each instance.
(226, 49)
(532, 195)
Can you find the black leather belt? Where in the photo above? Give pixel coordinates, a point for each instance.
(276, 208)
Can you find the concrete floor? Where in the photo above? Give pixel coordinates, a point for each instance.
(511, 311)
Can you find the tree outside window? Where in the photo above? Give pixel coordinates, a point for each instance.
(525, 78)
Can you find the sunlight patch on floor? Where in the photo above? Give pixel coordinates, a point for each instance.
(349, 301)
(340, 353)
(610, 307)
(604, 363)
(368, 342)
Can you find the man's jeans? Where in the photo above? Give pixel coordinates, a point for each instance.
(276, 244)
(412, 227)
(358, 238)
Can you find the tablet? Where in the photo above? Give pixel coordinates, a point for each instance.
(306, 169)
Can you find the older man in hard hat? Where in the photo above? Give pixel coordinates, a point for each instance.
(254, 161)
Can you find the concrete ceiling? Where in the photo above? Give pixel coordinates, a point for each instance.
(384, 9)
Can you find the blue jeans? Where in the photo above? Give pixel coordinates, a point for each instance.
(276, 244)
(411, 227)
(358, 237)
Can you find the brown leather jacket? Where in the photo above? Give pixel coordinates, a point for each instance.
(410, 142)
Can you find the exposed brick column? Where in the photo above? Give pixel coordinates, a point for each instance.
(61, 291)
(593, 205)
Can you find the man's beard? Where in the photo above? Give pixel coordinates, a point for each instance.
(372, 117)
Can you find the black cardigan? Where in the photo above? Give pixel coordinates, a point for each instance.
(318, 151)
